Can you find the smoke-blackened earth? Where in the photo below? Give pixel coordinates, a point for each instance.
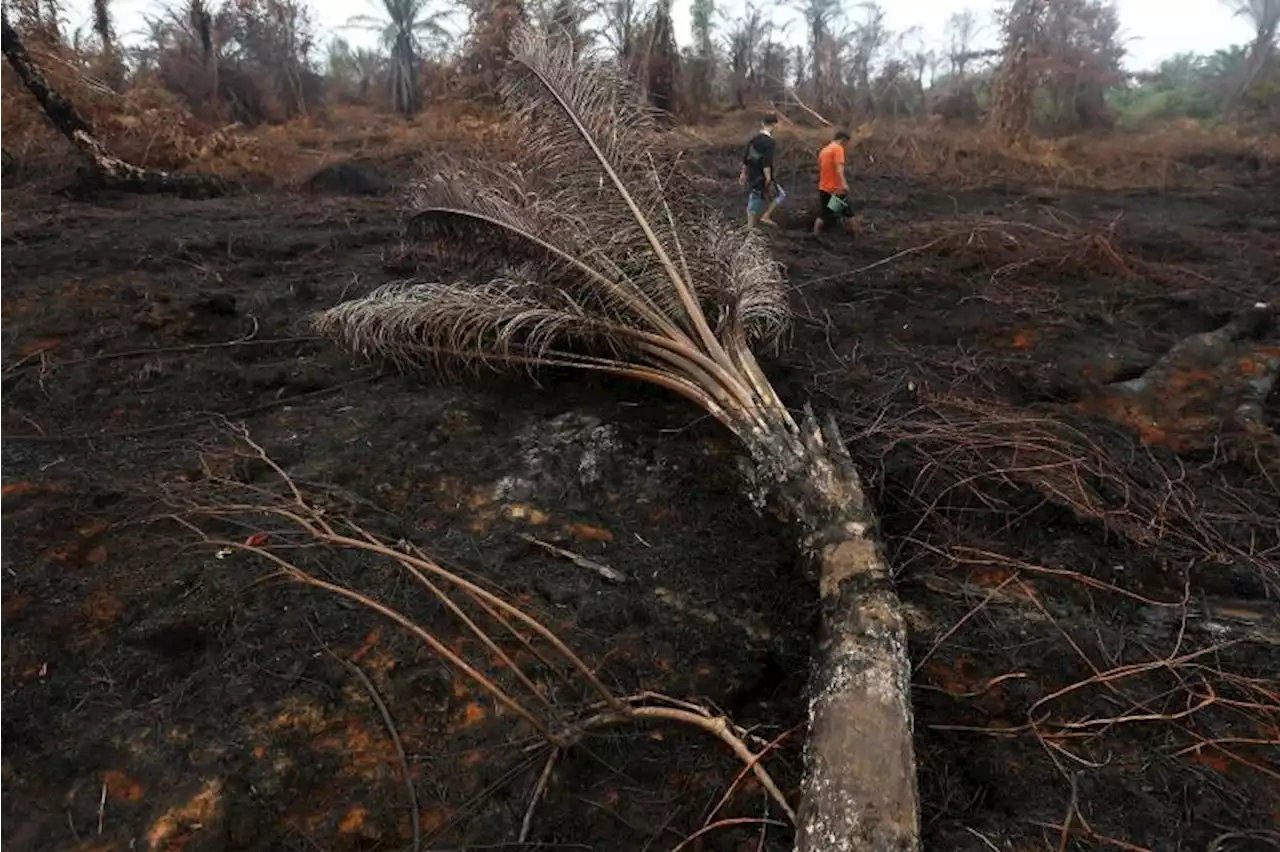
(1093, 623)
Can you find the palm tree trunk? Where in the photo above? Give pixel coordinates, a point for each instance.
(859, 791)
(1259, 54)
(110, 172)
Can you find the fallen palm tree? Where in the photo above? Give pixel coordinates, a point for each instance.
(107, 170)
(607, 266)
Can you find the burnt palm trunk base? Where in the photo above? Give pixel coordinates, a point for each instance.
(859, 791)
(107, 171)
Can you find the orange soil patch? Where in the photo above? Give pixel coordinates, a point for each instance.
(366, 751)
(103, 608)
(179, 825)
(473, 714)
(956, 679)
(120, 787)
(43, 344)
(353, 820)
(374, 637)
(13, 489)
(588, 532)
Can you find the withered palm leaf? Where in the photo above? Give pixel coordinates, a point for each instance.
(501, 323)
(597, 256)
(626, 281)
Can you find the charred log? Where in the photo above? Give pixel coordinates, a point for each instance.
(107, 171)
(1207, 386)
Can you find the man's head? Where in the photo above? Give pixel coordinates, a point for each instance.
(842, 136)
(768, 122)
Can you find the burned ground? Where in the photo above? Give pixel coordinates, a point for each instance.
(1091, 597)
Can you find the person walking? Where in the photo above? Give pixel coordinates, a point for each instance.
(757, 174)
(833, 186)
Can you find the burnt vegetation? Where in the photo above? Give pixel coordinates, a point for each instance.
(406, 446)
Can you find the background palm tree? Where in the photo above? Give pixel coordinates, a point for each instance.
(353, 67)
(1264, 16)
(407, 30)
(589, 252)
(113, 71)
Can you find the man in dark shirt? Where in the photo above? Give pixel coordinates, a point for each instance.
(757, 173)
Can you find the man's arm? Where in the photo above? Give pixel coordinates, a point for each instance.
(768, 164)
(844, 177)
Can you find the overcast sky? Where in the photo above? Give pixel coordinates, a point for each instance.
(1153, 29)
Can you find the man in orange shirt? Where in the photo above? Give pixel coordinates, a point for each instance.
(833, 184)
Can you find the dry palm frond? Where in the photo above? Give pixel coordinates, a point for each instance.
(620, 271)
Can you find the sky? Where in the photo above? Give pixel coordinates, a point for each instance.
(1153, 29)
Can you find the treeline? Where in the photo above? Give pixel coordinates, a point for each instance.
(1039, 66)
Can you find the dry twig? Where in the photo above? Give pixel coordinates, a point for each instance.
(612, 575)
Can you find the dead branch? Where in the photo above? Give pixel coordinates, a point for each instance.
(724, 823)
(109, 172)
(1252, 622)
(1174, 688)
(1206, 384)
(544, 778)
(963, 455)
(795, 99)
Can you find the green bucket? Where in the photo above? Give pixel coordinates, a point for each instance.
(836, 204)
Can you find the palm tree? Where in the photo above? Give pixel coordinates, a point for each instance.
(569, 17)
(356, 67)
(659, 65)
(821, 17)
(114, 71)
(406, 29)
(1014, 86)
(1264, 15)
(746, 33)
(589, 252)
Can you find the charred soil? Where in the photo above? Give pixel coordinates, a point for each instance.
(1092, 598)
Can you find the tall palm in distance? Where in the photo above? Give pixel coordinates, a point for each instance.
(357, 67)
(407, 30)
(1264, 16)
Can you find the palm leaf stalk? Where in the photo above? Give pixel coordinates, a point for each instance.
(608, 264)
